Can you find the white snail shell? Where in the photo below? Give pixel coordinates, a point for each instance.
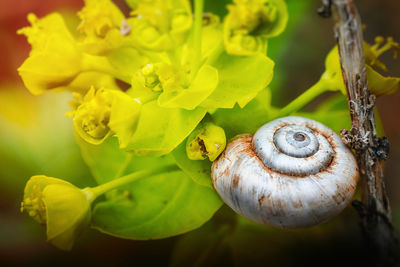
(294, 172)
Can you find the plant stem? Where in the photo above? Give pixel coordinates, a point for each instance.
(303, 99)
(375, 211)
(124, 165)
(216, 53)
(197, 27)
(97, 191)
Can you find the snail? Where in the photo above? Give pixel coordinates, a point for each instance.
(294, 172)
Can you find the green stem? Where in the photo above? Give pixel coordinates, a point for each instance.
(97, 191)
(216, 53)
(302, 100)
(124, 165)
(197, 27)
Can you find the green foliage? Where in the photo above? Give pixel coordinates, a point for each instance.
(198, 170)
(259, 72)
(160, 130)
(157, 206)
(259, 109)
(193, 81)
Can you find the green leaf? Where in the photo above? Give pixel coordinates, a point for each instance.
(248, 119)
(240, 80)
(157, 207)
(160, 130)
(105, 161)
(154, 207)
(198, 170)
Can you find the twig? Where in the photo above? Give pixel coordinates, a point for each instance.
(374, 210)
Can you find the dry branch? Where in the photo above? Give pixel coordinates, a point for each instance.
(375, 212)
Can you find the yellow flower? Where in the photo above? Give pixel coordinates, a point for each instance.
(160, 24)
(250, 22)
(159, 77)
(62, 207)
(104, 112)
(174, 87)
(103, 26)
(377, 83)
(54, 60)
(207, 140)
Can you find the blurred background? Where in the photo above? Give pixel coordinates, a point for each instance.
(36, 138)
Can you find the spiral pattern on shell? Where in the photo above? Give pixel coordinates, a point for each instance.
(294, 172)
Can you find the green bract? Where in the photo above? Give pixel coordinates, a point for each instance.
(240, 80)
(160, 130)
(176, 88)
(154, 207)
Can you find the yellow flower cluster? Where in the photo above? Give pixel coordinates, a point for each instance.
(149, 79)
(106, 47)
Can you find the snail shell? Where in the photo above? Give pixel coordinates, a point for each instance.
(294, 172)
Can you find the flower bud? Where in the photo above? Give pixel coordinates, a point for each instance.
(62, 207)
(207, 140)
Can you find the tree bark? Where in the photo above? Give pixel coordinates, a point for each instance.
(374, 210)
